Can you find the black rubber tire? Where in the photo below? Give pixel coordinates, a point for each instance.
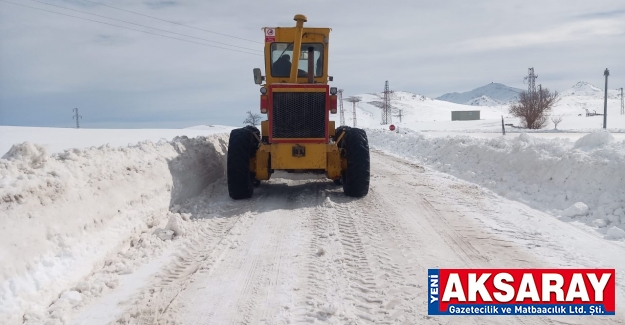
(256, 131)
(357, 176)
(240, 149)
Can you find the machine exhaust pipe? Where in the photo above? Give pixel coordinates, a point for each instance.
(311, 65)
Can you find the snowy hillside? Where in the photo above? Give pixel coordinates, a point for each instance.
(426, 114)
(585, 89)
(494, 91)
(583, 96)
(484, 101)
(414, 108)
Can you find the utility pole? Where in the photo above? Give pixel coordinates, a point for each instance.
(387, 117)
(354, 100)
(400, 115)
(531, 80)
(606, 73)
(622, 103)
(77, 117)
(342, 113)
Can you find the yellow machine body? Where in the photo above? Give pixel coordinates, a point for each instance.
(298, 135)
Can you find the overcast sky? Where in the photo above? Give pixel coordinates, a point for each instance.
(121, 78)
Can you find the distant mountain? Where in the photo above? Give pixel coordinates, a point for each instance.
(493, 91)
(583, 88)
(484, 101)
(586, 89)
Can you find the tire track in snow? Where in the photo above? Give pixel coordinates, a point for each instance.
(454, 234)
(264, 276)
(343, 285)
(255, 280)
(305, 253)
(148, 306)
(386, 244)
(362, 281)
(457, 207)
(175, 279)
(317, 292)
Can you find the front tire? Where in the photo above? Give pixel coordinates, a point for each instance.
(356, 177)
(240, 149)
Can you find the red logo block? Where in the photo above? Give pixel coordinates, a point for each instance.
(521, 291)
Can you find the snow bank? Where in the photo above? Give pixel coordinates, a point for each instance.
(63, 214)
(55, 140)
(584, 181)
(594, 140)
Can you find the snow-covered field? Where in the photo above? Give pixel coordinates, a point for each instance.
(56, 140)
(425, 114)
(136, 227)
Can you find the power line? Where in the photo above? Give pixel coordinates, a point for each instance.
(354, 100)
(136, 30)
(531, 81)
(606, 73)
(173, 22)
(387, 116)
(77, 117)
(342, 120)
(622, 103)
(400, 114)
(162, 30)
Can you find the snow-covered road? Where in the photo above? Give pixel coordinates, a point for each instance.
(302, 252)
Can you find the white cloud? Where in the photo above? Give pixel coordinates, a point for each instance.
(50, 63)
(573, 31)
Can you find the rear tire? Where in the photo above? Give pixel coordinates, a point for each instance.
(356, 177)
(256, 131)
(240, 149)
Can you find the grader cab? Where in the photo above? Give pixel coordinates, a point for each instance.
(298, 136)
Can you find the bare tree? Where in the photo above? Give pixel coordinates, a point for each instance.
(556, 119)
(252, 119)
(533, 107)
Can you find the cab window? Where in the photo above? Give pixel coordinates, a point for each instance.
(282, 56)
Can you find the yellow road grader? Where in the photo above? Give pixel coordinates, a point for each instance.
(298, 136)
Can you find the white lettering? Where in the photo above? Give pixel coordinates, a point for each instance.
(599, 286)
(527, 288)
(577, 288)
(453, 289)
(501, 285)
(556, 288)
(477, 285)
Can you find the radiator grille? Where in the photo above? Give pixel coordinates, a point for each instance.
(299, 115)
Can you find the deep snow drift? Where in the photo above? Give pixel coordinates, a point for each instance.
(581, 181)
(64, 214)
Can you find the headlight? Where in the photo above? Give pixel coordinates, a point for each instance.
(333, 90)
(263, 90)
